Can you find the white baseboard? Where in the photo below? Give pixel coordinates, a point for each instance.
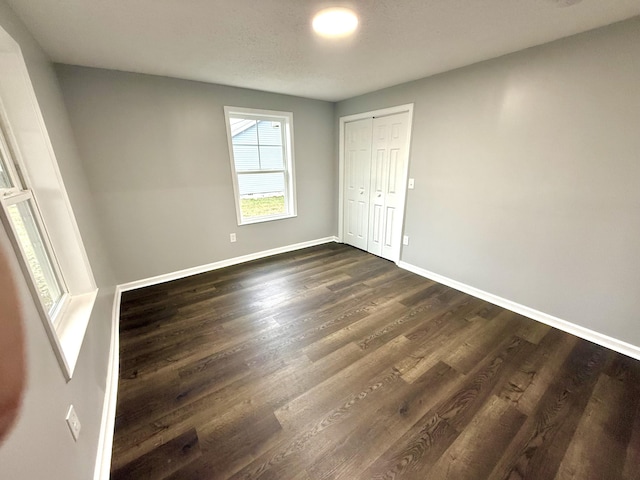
(105, 442)
(582, 332)
(187, 272)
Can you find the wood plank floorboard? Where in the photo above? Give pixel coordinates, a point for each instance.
(330, 363)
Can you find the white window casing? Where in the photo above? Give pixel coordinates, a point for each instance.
(262, 163)
(37, 192)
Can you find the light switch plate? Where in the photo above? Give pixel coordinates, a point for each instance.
(405, 240)
(412, 183)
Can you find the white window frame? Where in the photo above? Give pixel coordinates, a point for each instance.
(289, 164)
(19, 193)
(9, 199)
(36, 179)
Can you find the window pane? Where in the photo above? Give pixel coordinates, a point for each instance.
(246, 157)
(36, 254)
(262, 194)
(261, 183)
(271, 158)
(243, 132)
(269, 132)
(4, 175)
(262, 207)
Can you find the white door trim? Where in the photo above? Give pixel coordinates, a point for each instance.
(403, 202)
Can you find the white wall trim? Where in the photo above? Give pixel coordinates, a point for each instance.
(105, 442)
(41, 184)
(582, 332)
(289, 157)
(383, 112)
(187, 272)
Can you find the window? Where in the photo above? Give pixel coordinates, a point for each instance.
(37, 216)
(25, 222)
(261, 152)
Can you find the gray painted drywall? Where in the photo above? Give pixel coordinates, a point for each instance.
(41, 445)
(156, 154)
(527, 172)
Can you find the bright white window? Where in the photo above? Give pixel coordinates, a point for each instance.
(36, 252)
(261, 153)
(30, 239)
(23, 219)
(37, 215)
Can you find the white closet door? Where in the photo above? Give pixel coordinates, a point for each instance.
(357, 167)
(389, 156)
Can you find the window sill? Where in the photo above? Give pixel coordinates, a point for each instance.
(265, 219)
(72, 328)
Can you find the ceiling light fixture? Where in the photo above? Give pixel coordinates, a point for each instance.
(335, 22)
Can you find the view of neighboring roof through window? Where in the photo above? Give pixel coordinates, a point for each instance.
(262, 162)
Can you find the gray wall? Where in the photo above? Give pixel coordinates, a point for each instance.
(527, 186)
(156, 154)
(41, 445)
(527, 174)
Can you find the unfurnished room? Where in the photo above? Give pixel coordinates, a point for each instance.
(309, 240)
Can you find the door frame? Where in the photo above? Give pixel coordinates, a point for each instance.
(408, 108)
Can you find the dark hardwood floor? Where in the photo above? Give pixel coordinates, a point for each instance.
(330, 363)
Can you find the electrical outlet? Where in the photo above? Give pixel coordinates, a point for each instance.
(74, 422)
(405, 240)
(412, 183)
(232, 237)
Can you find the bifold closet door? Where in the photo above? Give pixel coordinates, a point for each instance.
(388, 160)
(357, 180)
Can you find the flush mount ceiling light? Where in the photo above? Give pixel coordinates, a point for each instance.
(335, 22)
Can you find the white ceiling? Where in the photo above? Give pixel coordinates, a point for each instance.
(268, 44)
